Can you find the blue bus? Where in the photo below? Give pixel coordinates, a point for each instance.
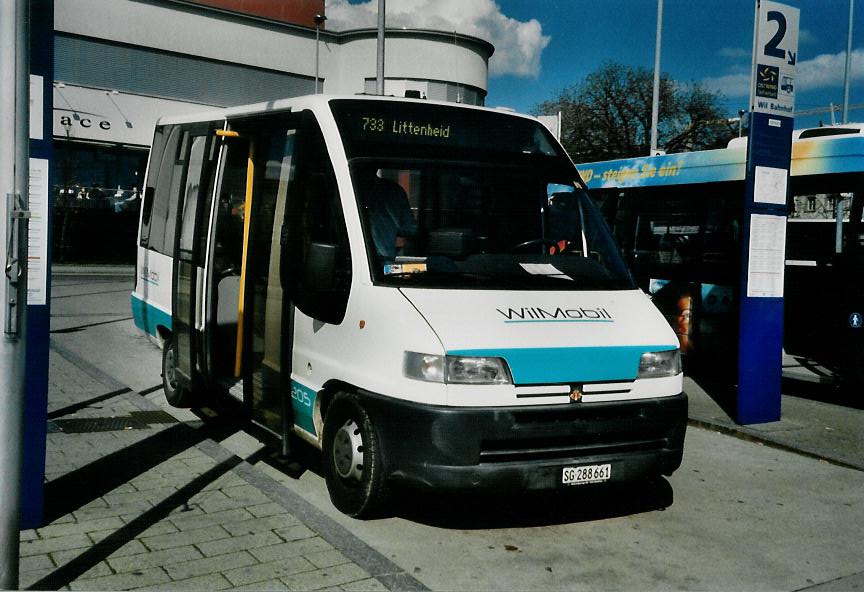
(677, 219)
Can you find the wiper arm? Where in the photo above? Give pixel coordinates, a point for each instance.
(434, 273)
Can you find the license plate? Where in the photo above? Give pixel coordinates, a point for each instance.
(586, 474)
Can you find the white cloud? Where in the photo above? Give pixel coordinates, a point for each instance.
(518, 44)
(823, 71)
(734, 52)
(828, 70)
(806, 36)
(731, 85)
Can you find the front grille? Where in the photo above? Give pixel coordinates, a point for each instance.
(578, 430)
(502, 452)
(588, 389)
(580, 413)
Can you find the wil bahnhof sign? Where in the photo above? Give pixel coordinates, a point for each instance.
(769, 153)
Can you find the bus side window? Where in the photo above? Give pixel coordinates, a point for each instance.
(157, 152)
(174, 193)
(146, 216)
(161, 228)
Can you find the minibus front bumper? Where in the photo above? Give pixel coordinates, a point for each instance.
(526, 447)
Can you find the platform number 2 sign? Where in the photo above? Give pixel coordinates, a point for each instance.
(772, 48)
(778, 34)
(776, 57)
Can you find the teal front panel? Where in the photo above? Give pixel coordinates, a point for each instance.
(569, 364)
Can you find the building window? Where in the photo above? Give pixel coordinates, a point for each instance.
(93, 172)
(97, 189)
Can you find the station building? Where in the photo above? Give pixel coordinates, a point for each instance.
(119, 65)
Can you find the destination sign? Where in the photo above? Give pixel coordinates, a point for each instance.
(400, 129)
(380, 125)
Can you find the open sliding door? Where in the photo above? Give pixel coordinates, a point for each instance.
(195, 167)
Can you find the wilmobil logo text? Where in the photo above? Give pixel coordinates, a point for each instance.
(534, 314)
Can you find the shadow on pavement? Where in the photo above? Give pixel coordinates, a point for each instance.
(107, 546)
(467, 511)
(723, 392)
(844, 394)
(484, 510)
(77, 488)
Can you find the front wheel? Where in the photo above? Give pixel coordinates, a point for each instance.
(176, 395)
(353, 461)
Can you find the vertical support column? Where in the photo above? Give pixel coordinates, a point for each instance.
(379, 69)
(655, 97)
(39, 277)
(763, 227)
(760, 339)
(14, 109)
(847, 74)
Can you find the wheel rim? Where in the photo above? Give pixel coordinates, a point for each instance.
(348, 451)
(170, 370)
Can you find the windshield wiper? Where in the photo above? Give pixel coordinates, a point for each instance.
(438, 274)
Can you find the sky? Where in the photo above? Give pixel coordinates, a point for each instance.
(544, 46)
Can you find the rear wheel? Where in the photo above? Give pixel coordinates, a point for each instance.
(176, 395)
(353, 460)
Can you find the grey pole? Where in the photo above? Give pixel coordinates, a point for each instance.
(14, 179)
(319, 20)
(655, 100)
(846, 78)
(379, 70)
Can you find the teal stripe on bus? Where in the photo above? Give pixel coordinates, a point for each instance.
(147, 317)
(551, 365)
(303, 403)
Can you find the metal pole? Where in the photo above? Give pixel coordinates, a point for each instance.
(317, 34)
(753, 60)
(379, 70)
(14, 179)
(319, 20)
(838, 224)
(655, 101)
(846, 78)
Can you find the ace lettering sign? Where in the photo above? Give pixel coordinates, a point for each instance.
(775, 57)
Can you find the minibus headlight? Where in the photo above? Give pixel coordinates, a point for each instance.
(660, 364)
(426, 367)
(479, 370)
(456, 369)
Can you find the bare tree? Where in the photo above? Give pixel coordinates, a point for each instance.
(608, 115)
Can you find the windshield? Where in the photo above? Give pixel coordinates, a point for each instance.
(503, 216)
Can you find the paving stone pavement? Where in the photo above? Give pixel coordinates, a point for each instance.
(136, 499)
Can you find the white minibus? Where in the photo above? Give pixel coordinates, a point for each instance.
(421, 290)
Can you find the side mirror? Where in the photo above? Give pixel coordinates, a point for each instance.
(319, 273)
(320, 292)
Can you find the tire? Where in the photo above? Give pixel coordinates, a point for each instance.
(174, 394)
(353, 460)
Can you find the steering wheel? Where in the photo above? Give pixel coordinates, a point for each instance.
(536, 241)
